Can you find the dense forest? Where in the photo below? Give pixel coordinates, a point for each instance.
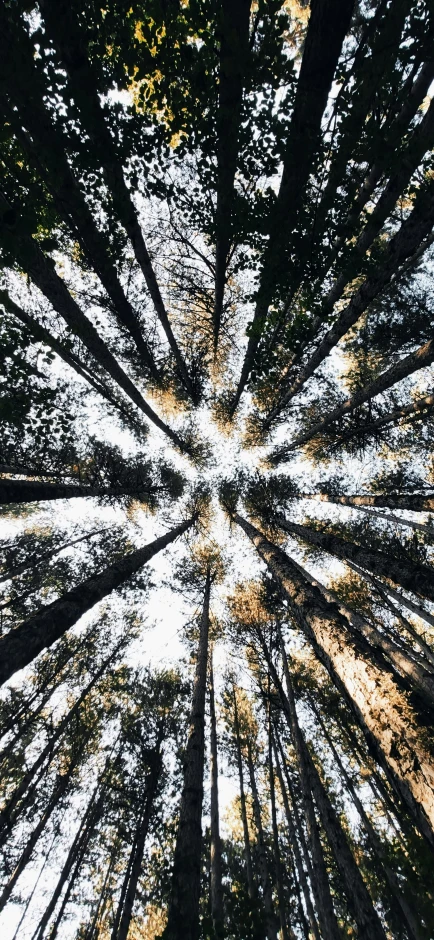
(216, 470)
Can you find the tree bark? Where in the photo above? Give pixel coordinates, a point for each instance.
(216, 888)
(414, 502)
(26, 491)
(417, 578)
(183, 919)
(247, 848)
(284, 935)
(302, 879)
(23, 644)
(261, 853)
(390, 725)
(328, 23)
(62, 25)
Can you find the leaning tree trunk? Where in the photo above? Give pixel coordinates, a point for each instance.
(45, 556)
(390, 724)
(415, 502)
(247, 848)
(23, 644)
(183, 919)
(412, 576)
(30, 491)
(216, 889)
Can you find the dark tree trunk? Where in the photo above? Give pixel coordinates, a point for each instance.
(390, 725)
(26, 491)
(247, 848)
(261, 853)
(415, 502)
(44, 556)
(23, 644)
(284, 935)
(216, 889)
(183, 920)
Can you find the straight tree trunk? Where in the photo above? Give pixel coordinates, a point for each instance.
(44, 556)
(35, 886)
(139, 845)
(284, 935)
(23, 644)
(421, 407)
(247, 848)
(261, 853)
(414, 502)
(62, 25)
(27, 491)
(216, 888)
(183, 919)
(397, 520)
(417, 578)
(328, 23)
(293, 841)
(417, 673)
(43, 335)
(419, 359)
(390, 725)
(376, 841)
(358, 898)
(8, 814)
(38, 267)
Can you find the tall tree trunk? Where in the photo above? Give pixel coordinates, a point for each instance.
(397, 596)
(35, 887)
(23, 644)
(389, 723)
(8, 814)
(59, 791)
(216, 888)
(358, 898)
(328, 23)
(261, 853)
(413, 576)
(413, 669)
(234, 29)
(183, 919)
(302, 879)
(284, 935)
(396, 520)
(417, 409)
(102, 900)
(26, 491)
(376, 841)
(415, 502)
(44, 556)
(139, 845)
(62, 25)
(247, 848)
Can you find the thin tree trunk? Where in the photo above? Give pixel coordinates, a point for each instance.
(414, 502)
(235, 16)
(31, 896)
(26, 491)
(44, 556)
(38, 267)
(90, 932)
(388, 721)
(415, 671)
(397, 520)
(216, 888)
(419, 359)
(358, 898)
(375, 839)
(302, 879)
(247, 848)
(139, 846)
(420, 408)
(183, 919)
(42, 334)
(27, 852)
(62, 25)
(284, 935)
(328, 23)
(415, 577)
(7, 815)
(261, 853)
(23, 644)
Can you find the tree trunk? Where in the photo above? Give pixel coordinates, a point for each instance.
(23, 644)
(44, 556)
(247, 849)
(328, 23)
(261, 853)
(284, 935)
(302, 879)
(7, 815)
(64, 28)
(417, 578)
(375, 839)
(420, 408)
(397, 520)
(389, 723)
(26, 491)
(415, 671)
(216, 889)
(183, 919)
(38, 267)
(415, 502)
